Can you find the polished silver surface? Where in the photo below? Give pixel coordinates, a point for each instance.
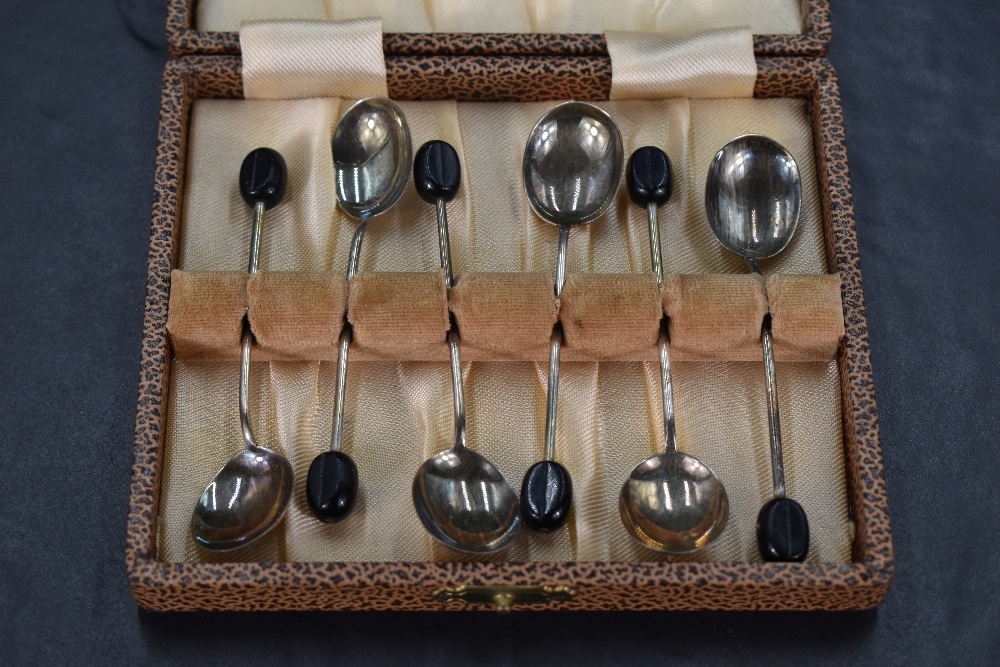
(655, 256)
(571, 170)
(245, 500)
(773, 414)
(553, 393)
(372, 157)
(572, 164)
(462, 499)
(671, 502)
(250, 494)
(752, 197)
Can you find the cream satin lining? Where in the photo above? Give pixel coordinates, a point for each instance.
(559, 16)
(399, 413)
(710, 64)
(297, 59)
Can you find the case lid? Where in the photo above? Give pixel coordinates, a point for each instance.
(486, 27)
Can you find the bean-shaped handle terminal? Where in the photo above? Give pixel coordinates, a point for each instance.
(782, 531)
(332, 486)
(546, 496)
(437, 172)
(649, 176)
(263, 177)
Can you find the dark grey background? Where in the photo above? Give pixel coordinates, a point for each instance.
(80, 84)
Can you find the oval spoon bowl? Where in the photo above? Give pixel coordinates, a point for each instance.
(572, 164)
(674, 503)
(465, 502)
(372, 153)
(752, 196)
(245, 500)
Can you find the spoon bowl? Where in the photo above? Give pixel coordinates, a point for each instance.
(674, 503)
(572, 164)
(372, 153)
(244, 501)
(465, 502)
(752, 196)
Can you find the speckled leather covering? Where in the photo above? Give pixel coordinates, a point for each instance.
(183, 39)
(599, 586)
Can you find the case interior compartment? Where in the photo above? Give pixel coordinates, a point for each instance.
(399, 411)
(615, 580)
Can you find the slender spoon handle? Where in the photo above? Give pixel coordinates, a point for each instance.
(561, 258)
(555, 343)
(655, 255)
(669, 427)
(666, 385)
(352, 260)
(456, 388)
(249, 442)
(345, 344)
(458, 395)
(552, 402)
(341, 389)
(443, 243)
(773, 413)
(247, 338)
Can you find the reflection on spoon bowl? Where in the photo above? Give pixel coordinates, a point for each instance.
(245, 500)
(674, 503)
(465, 503)
(371, 157)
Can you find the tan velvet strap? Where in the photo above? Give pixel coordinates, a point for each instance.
(292, 59)
(205, 315)
(610, 316)
(715, 316)
(711, 64)
(400, 315)
(504, 316)
(296, 314)
(807, 317)
(484, 302)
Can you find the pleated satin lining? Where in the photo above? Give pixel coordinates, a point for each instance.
(556, 16)
(399, 413)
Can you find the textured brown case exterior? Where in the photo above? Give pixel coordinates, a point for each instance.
(600, 586)
(184, 40)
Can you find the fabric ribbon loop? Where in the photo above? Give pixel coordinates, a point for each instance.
(710, 64)
(294, 59)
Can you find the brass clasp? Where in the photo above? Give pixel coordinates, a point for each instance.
(503, 597)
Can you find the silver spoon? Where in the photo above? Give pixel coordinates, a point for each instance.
(250, 494)
(571, 169)
(671, 502)
(752, 197)
(462, 499)
(371, 161)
